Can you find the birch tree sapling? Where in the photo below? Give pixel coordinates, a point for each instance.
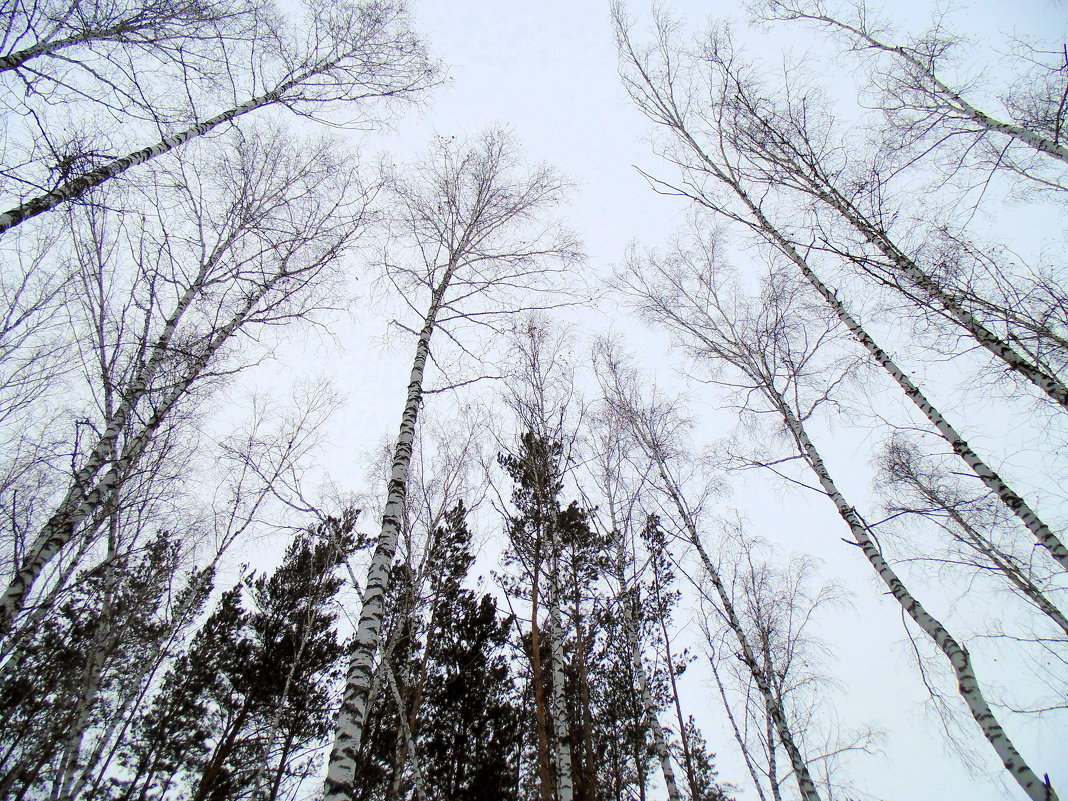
(729, 160)
(775, 346)
(477, 239)
(352, 52)
(268, 257)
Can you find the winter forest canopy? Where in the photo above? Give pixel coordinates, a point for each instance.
(557, 404)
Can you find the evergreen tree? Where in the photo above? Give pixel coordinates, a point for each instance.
(81, 666)
(446, 648)
(560, 560)
(238, 708)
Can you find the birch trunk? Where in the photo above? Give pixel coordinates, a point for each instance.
(957, 655)
(103, 641)
(738, 738)
(1044, 380)
(81, 501)
(664, 110)
(353, 711)
(648, 707)
(565, 785)
(1006, 565)
(805, 784)
(76, 187)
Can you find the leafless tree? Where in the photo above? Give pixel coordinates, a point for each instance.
(738, 135)
(621, 484)
(121, 58)
(778, 346)
(255, 243)
(778, 607)
(656, 429)
(778, 146)
(348, 52)
(477, 243)
(928, 110)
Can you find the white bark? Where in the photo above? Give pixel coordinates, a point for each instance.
(805, 784)
(565, 784)
(1049, 384)
(353, 711)
(370, 25)
(654, 452)
(956, 654)
(648, 707)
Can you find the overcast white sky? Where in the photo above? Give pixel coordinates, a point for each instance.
(547, 70)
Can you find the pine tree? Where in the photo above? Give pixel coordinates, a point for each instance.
(456, 685)
(253, 689)
(80, 667)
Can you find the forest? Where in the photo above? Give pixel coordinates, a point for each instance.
(353, 449)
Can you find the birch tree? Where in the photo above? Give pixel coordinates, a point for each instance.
(749, 136)
(348, 53)
(655, 428)
(727, 162)
(929, 110)
(777, 353)
(266, 257)
(477, 241)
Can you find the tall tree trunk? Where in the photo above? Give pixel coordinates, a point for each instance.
(565, 787)
(353, 711)
(648, 707)
(76, 187)
(409, 742)
(102, 643)
(743, 747)
(958, 657)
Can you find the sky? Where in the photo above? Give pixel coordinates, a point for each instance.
(547, 70)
